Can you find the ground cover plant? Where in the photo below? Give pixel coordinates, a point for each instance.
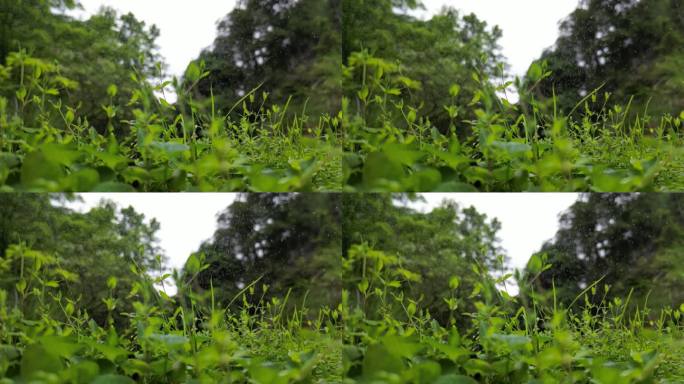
(46, 338)
(186, 146)
(85, 297)
(527, 146)
(429, 105)
(391, 338)
(428, 298)
(88, 105)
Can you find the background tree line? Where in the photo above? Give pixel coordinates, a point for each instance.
(303, 49)
(627, 241)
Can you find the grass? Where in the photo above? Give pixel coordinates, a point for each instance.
(494, 145)
(377, 142)
(492, 337)
(152, 145)
(48, 338)
(376, 335)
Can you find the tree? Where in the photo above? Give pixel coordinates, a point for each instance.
(447, 242)
(84, 250)
(97, 53)
(290, 242)
(630, 47)
(628, 241)
(430, 56)
(288, 47)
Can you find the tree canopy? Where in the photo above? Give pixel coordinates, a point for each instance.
(441, 252)
(93, 54)
(627, 47)
(427, 58)
(288, 48)
(625, 241)
(290, 242)
(80, 252)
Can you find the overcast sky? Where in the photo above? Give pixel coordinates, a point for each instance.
(187, 27)
(527, 219)
(187, 219)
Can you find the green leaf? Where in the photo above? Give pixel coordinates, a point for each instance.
(37, 359)
(455, 186)
(111, 186)
(535, 72)
(454, 282)
(454, 90)
(36, 167)
(193, 73)
(363, 93)
(455, 379)
(60, 345)
(379, 360)
(111, 282)
(112, 90)
(363, 286)
(534, 265)
(192, 266)
(170, 147)
(113, 379)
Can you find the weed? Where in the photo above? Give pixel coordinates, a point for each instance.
(527, 146)
(186, 146)
(528, 338)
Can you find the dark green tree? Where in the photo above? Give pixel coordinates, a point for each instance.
(630, 47)
(87, 249)
(435, 54)
(630, 241)
(288, 241)
(96, 53)
(289, 47)
(447, 242)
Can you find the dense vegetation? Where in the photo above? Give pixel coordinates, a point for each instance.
(435, 111)
(427, 300)
(341, 95)
(84, 297)
(85, 106)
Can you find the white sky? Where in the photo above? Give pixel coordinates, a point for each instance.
(527, 219)
(529, 26)
(186, 219)
(186, 27)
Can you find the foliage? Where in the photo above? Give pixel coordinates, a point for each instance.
(164, 340)
(630, 242)
(288, 243)
(48, 146)
(77, 252)
(528, 146)
(422, 57)
(458, 239)
(630, 48)
(288, 48)
(102, 50)
(83, 298)
(506, 339)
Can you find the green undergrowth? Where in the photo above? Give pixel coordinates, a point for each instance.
(491, 144)
(150, 144)
(493, 337)
(187, 338)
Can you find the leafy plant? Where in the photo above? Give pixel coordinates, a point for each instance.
(47, 146)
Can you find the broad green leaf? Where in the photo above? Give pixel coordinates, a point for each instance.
(113, 379)
(37, 359)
